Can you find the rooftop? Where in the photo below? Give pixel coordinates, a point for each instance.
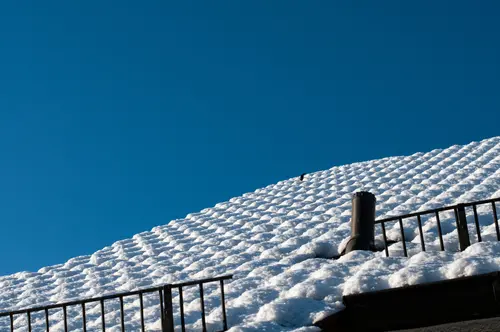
(278, 242)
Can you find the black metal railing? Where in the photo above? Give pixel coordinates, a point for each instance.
(460, 218)
(164, 294)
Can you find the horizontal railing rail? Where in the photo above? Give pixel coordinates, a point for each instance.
(460, 218)
(165, 302)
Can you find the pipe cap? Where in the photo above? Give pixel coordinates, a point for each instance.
(364, 194)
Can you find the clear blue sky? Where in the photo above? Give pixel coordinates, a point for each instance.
(116, 116)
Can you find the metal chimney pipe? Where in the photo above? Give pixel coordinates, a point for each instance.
(362, 223)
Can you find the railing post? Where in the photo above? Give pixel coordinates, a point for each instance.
(168, 315)
(363, 222)
(463, 231)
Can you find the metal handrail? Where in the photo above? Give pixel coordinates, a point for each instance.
(441, 209)
(165, 294)
(460, 218)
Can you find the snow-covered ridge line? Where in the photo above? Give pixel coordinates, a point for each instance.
(273, 239)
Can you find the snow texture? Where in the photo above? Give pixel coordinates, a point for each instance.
(277, 241)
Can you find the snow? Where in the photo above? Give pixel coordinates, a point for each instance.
(277, 241)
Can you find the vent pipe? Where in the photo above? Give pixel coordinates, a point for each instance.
(362, 222)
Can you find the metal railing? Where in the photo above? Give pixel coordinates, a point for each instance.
(165, 301)
(460, 218)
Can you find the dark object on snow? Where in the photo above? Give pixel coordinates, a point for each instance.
(302, 176)
(416, 306)
(362, 223)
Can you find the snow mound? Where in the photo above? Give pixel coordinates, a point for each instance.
(277, 242)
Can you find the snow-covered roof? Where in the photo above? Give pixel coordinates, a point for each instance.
(276, 241)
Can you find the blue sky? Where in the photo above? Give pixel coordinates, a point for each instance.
(117, 116)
